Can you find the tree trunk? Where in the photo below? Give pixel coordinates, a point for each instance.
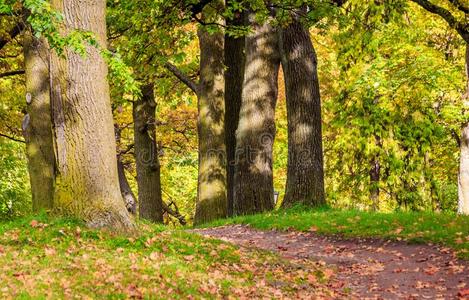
(374, 182)
(146, 156)
(37, 123)
(463, 178)
(212, 197)
(305, 173)
(129, 198)
(234, 74)
(253, 183)
(87, 184)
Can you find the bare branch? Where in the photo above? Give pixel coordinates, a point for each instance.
(12, 138)
(182, 77)
(461, 28)
(11, 73)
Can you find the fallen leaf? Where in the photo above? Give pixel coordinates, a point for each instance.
(155, 256)
(432, 270)
(312, 279)
(50, 251)
(463, 293)
(189, 257)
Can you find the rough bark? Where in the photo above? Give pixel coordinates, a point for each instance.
(253, 183)
(212, 198)
(37, 125)
(463, 177)
(146, 156)
(129, 198)
(305, 171)
(234, 76)
(87, 184)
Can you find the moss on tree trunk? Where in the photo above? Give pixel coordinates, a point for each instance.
(253, 182)
(234, 76)
(146, 156)
(87, 183)
(211, 193)
(305, 174)
(38, 122)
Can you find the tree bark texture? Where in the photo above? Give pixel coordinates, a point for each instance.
(87, 184)
(37, 124)
(212, 196)
(146, 156)
(463, 177)
(305, 171)
(253, 183)
(234, 76)
(130, 200)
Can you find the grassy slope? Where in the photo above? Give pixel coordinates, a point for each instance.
(442, 228)
(42, 258)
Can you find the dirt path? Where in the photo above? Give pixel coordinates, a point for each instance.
(371, 268)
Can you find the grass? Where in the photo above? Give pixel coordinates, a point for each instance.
(446, 229)
(43, 258)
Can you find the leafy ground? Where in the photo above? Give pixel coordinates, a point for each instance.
(367, 268)
(313, 254)
(445, 229)
(43, 258)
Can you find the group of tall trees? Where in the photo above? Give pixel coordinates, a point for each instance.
(74, 165)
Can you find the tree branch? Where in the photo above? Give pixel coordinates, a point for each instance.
(12, 34)
(12, 138)
(459, 5)
(182, 77)
(462, 29)
(198, 7)
(11, 73)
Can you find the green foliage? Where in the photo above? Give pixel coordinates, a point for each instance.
(15, 195)
(397, 103)
(391, 82)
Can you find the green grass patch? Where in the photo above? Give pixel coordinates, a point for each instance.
(447, 229)
(42, 258)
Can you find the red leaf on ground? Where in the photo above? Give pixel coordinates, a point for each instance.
(463, 293)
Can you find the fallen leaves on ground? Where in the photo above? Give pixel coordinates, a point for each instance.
(66, 261)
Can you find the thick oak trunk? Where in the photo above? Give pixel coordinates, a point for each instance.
(463, 178)
(146, 156)
(87, 183)
(234, 76)
(305, 174)
(253, 183)
(212, 197)
(37, 125)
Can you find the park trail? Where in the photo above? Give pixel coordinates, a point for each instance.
(367, 268)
